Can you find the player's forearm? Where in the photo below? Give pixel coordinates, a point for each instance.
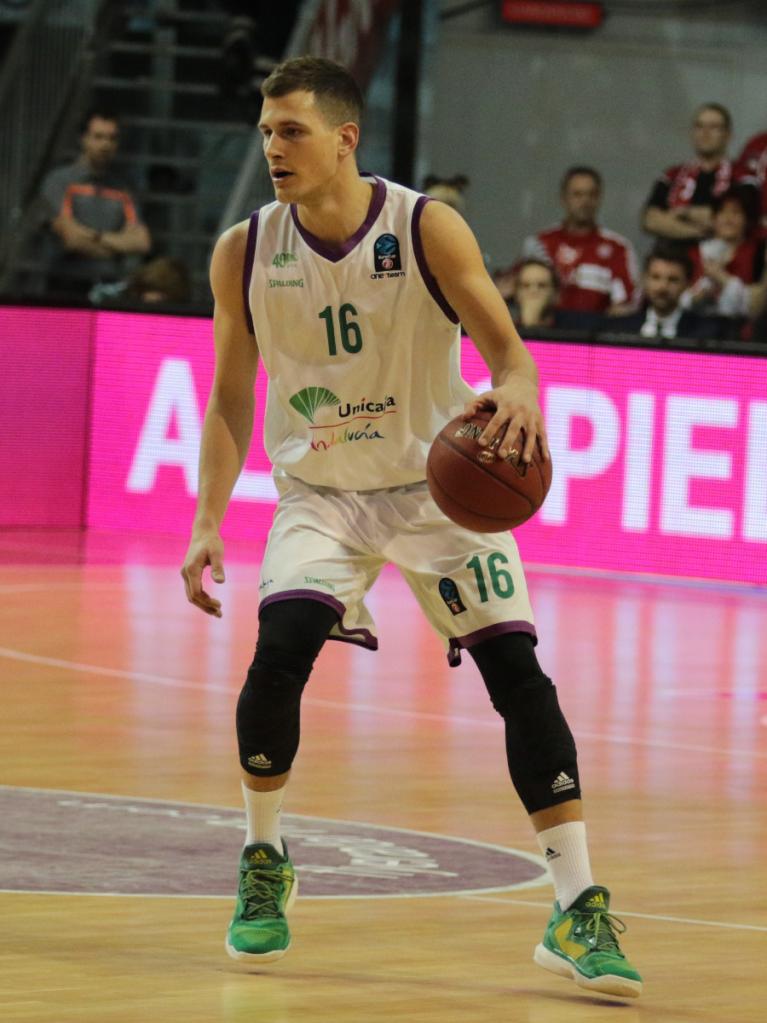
(225, 441)
(515, 362)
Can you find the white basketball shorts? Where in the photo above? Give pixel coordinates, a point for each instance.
(330, 545)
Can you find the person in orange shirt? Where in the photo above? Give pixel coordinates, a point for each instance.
(95, 225)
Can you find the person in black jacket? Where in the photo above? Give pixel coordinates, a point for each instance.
(668, 273)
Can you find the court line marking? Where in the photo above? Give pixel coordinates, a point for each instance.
(541, 880)
(468, 896)
(622, 912)
(452, 719)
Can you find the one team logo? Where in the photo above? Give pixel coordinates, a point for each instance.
(386, 253)
(449, 593)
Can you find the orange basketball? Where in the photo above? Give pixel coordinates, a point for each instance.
(476, 488)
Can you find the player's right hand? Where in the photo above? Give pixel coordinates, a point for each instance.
(204, 549)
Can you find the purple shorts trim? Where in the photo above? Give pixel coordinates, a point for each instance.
(473, 638)
(362, 637)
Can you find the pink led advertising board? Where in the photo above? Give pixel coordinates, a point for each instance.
(45, 355)
(660, 457)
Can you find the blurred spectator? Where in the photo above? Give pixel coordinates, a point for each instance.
(535, 298)
(680, 206)
(255, 40)
(667, 275)
(447, 190)
(728, 268)
(161, 280)
(91, 212)
(759, 328)
(596, 267)
(752, 164)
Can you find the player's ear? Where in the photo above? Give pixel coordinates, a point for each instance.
(348, 138)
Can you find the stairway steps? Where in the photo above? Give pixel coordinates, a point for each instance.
(219, 127)
(194, 162)
(161, 85)
(166, 50)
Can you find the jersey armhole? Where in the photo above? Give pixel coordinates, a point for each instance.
(247, 268)
(420, 257)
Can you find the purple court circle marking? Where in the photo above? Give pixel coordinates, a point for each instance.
(81, 843)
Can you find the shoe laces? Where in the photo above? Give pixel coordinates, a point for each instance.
(602, 930)
(261, 891)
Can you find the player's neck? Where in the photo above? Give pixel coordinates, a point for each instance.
(338, 214)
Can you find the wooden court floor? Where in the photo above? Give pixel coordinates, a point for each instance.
(113, 686)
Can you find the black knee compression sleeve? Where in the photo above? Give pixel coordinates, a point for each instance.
(291, 634)
(540, 748)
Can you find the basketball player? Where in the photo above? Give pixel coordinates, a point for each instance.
(351, 290)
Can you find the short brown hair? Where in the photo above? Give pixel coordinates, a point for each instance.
(723, 112)
(169, 277)
(544, 264)
(573, 172)
(671, 252)
(335, 91)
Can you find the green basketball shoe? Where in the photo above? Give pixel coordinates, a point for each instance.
(268, 886)
(582, 943)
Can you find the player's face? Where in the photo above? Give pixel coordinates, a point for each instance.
(710, 134)
(730, 222)
(664, 283)
(301, 147)
(99, 141)
(580, 198)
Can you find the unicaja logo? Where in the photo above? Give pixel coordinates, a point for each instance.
(366, 408)
(351, 421)
(309, 401)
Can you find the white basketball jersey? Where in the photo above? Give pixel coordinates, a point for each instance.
(361, 348)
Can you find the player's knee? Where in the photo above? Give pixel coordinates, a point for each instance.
(506, 662)
(291, 635)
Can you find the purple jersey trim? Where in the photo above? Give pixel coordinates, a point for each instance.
(247, 270)
(336, 252)
(455, 643)
(420, 257)
(363, 637)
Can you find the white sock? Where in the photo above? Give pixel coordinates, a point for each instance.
(567, 856)
(263, 814)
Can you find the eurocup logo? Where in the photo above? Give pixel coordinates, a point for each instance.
(386, 253)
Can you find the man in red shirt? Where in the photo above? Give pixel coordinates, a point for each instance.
(597, 268)
(680, 205)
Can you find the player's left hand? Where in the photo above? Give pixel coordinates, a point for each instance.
(515, 406)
